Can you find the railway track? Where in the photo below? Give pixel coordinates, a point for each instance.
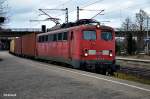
(136, 67)
(133, 70)
(136, 71)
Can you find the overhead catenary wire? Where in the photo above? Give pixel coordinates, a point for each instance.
(138, 6)
(117, 7)
(88, 10)
(67, 3)
(50, 18)
(97, 14)
(56, 19)
(92, 3)
(85, 6)
(62, 4)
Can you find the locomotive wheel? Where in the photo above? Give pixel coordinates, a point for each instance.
(103, 72)
(109, 72)
(97, 69)
(100, 70)
(83, 67)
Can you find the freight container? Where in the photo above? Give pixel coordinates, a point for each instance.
(29, 45)
(17, 47)
(12, 46)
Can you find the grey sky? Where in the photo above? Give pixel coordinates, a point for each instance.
(21, 11)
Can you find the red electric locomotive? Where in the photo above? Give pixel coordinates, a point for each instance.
(83, 45)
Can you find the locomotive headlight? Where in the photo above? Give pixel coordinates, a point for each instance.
(110, 54)
(85, 54)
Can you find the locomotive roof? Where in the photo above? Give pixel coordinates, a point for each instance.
(106, 27)
(77, 27)
(82, 23)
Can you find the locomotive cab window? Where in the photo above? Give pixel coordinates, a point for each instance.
(89, 35)
(65, 35)
(106, 36)
(42, 38)
(50, 37)
(59, 36)
(46, 38)
(54, 37)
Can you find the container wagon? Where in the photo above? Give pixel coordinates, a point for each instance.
(18, 46)
(12, 46)
(29, 45)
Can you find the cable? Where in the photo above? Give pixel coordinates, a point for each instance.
(114, 10)
(63, 3)
(75, 1)
(85, 6)
(92, 3)
(79, 2)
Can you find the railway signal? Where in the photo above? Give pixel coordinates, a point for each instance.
(2, 19)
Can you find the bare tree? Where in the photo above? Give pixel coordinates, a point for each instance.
(140, 20)
(126, 26)
(134, 27)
